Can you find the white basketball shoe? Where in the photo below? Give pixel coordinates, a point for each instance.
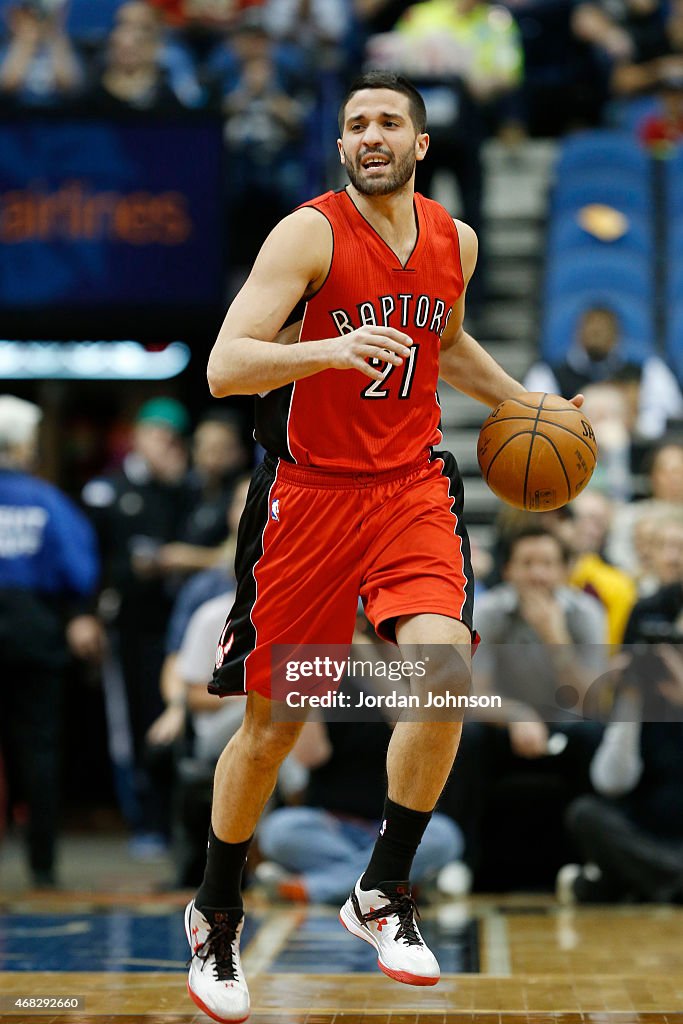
(387, 920)
(216, 982)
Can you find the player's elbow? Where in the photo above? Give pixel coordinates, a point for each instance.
(219, 382)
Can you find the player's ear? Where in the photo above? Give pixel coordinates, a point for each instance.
(421, 145)
(342, 158)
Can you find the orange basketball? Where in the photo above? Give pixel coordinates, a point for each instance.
(537, 452)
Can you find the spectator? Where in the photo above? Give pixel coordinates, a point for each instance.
(320, 26)
(619, 30)
(542, 648)
(657, 57)
(585, 535)
(218, 456)
(606, 407)
(137, 511)
(664, 562)
(38, 66)
(315, 851)
(174, 58)
(595, 358)
(666, 487)
(631, 835)
(48, 574)
(132, 77)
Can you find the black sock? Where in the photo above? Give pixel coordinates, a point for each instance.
(399, 837)
(222, 883)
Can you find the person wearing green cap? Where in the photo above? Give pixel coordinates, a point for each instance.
(165, 412)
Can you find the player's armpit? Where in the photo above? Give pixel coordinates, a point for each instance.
(289, 335)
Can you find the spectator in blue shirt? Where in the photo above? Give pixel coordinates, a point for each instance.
(48, 573)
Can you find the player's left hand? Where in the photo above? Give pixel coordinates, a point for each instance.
(577, 400)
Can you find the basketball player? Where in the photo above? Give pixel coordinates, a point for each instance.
(350, 501)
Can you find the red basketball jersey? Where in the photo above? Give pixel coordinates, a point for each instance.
(340, 420)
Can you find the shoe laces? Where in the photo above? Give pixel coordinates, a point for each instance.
(221, 944)
(405, 908)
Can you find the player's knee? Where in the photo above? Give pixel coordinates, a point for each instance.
(269, 743)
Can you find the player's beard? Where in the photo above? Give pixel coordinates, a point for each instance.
(399, 174)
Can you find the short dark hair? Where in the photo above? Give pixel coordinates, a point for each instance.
(529, 531)
(388, 80)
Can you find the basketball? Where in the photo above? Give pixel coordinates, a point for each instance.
(537, 452)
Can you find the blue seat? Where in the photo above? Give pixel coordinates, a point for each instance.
(622, 190)
(674, 186)
(674, 281)
(91, 20)
(607, 149)
(674, 259)
(576, 270)
(563, 314)
(566, 233)
(674, 338)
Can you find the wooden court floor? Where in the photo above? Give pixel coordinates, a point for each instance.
(507, 960)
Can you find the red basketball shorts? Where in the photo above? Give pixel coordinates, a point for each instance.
(310, 543)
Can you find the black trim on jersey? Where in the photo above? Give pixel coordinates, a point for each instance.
(296, 314)
(403, 266)
(456, 490)
(271, 418)
(309, 206)
(229, 678)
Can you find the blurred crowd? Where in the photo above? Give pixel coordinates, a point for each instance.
(274, 72)
(579, 773)
(542, 65)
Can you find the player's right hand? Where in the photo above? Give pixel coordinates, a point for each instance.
(355, 350)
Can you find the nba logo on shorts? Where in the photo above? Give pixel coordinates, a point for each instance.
(275, 509)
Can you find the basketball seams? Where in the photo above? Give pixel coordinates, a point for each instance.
(525, 405)
(504, 445)
(561, 462)
(547, 423)
(531, 448)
